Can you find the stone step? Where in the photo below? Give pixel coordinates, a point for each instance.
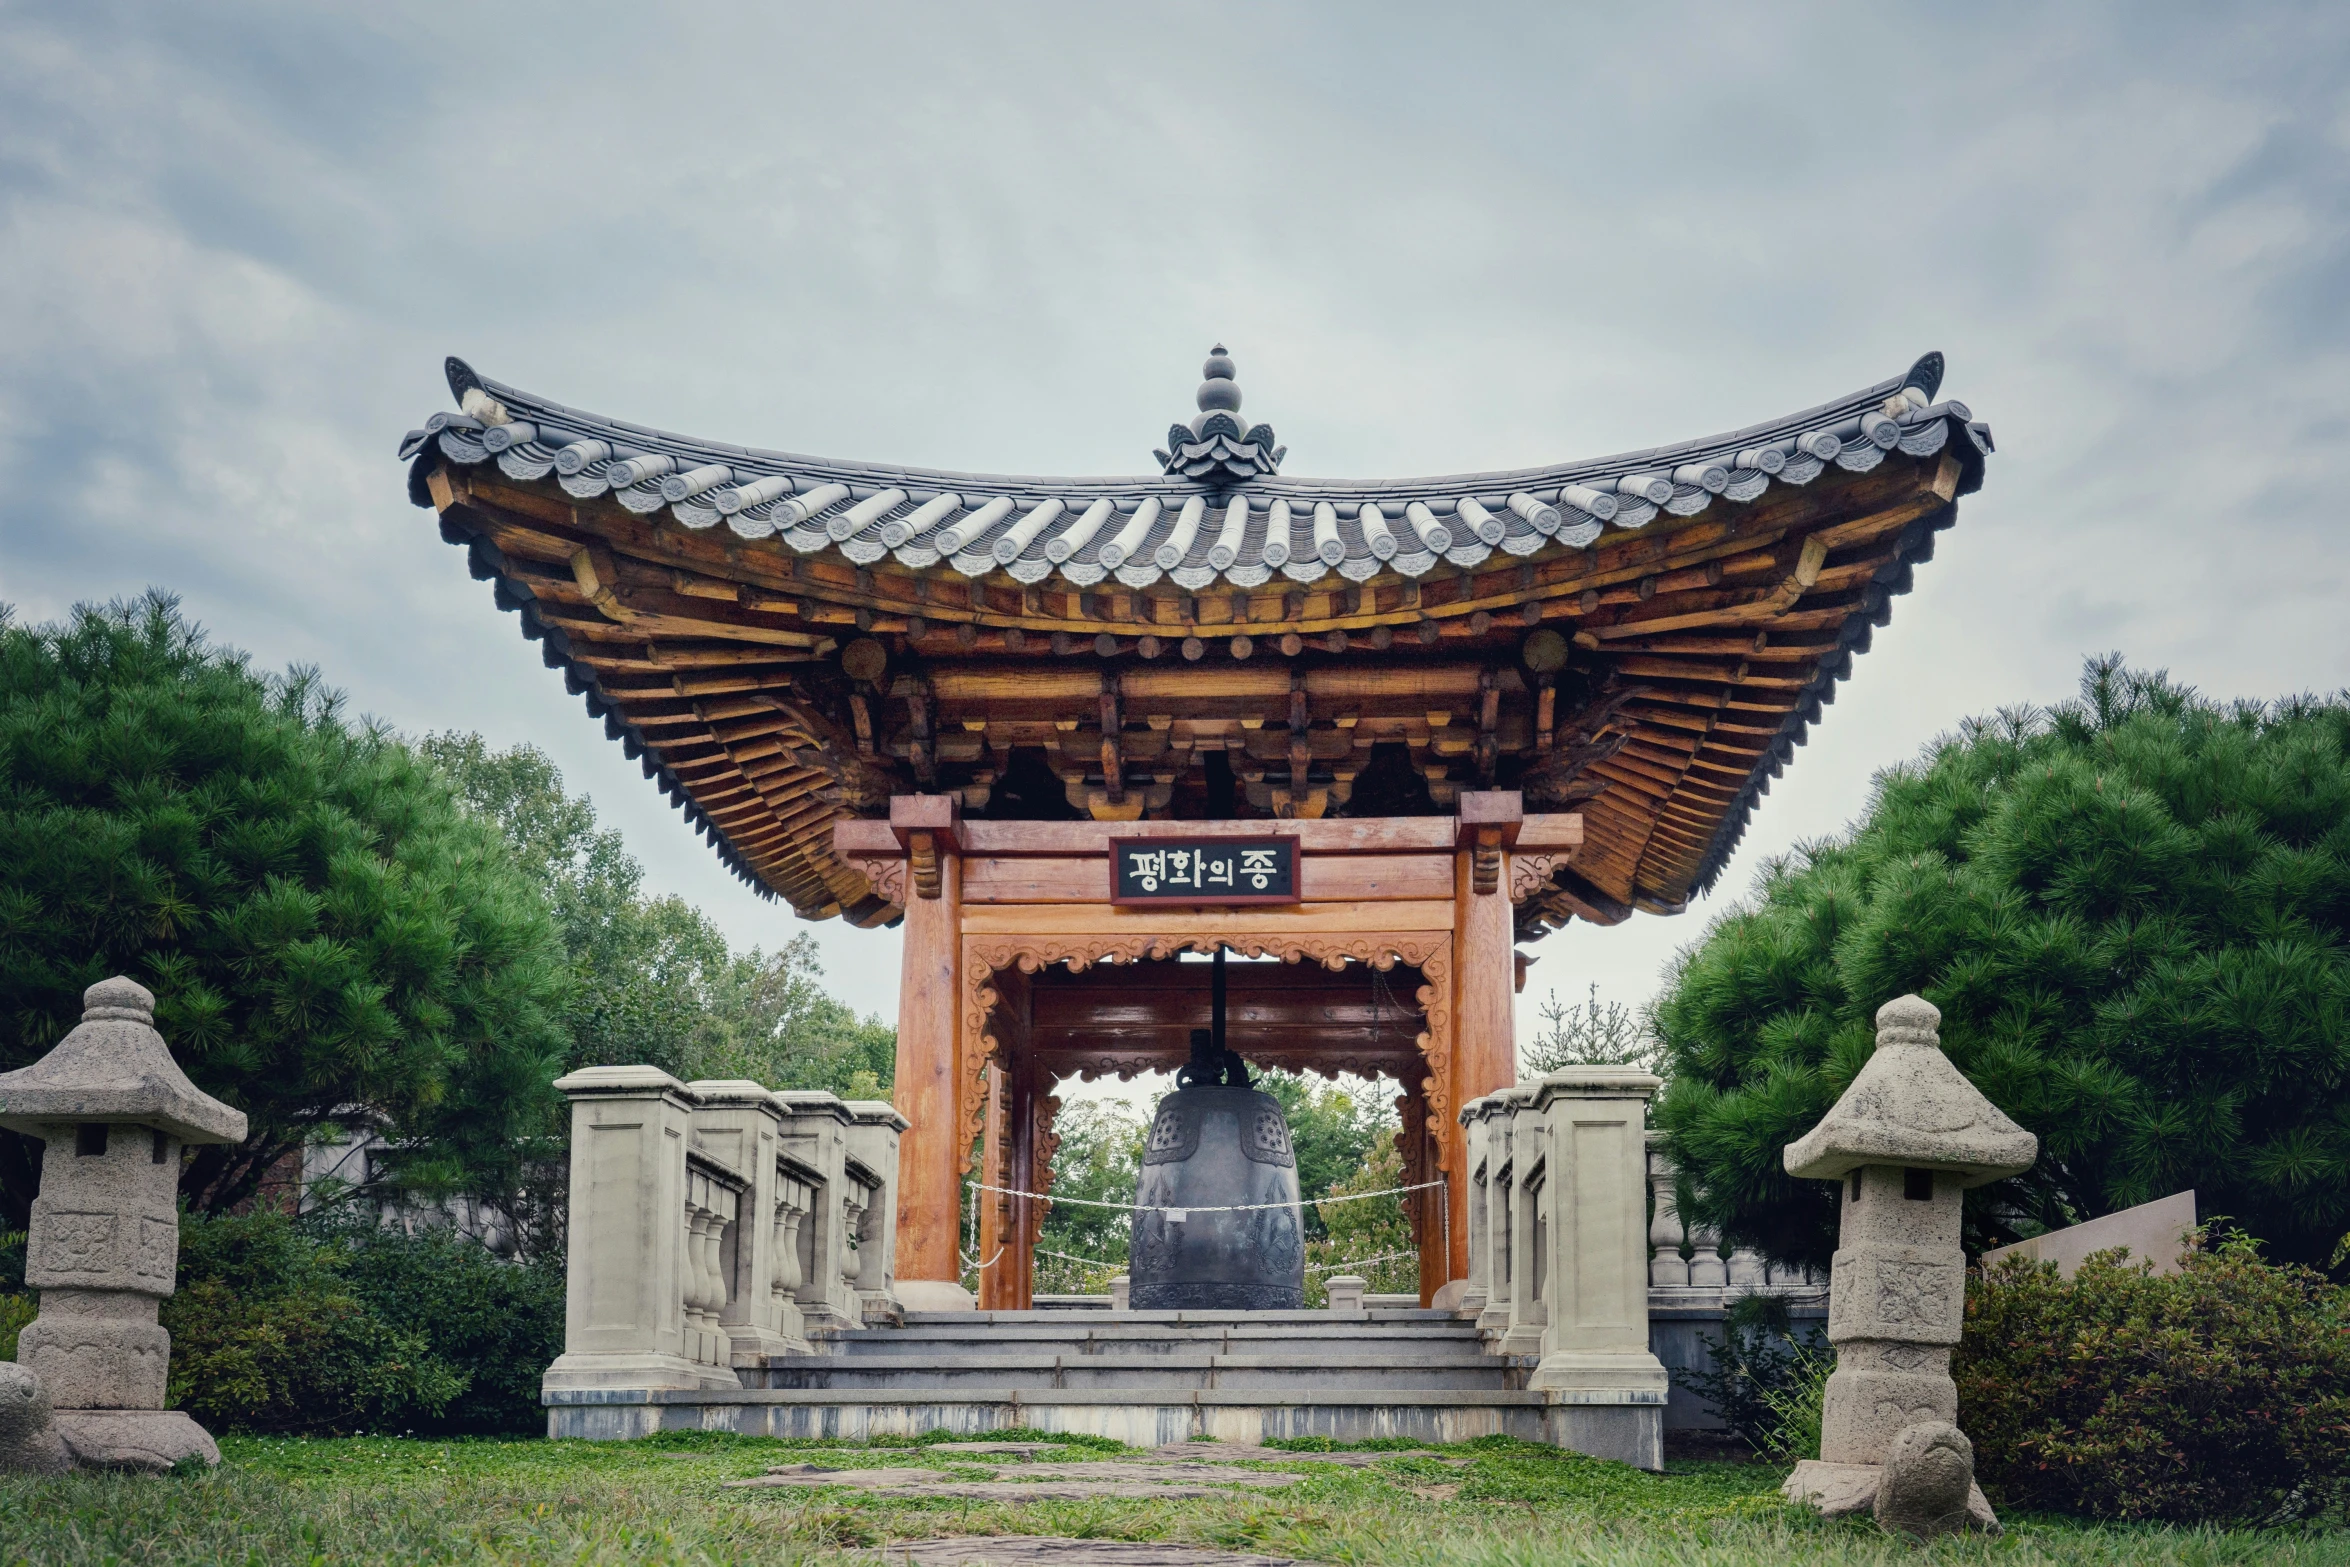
(1304, 1350)
(1140, 1417)
(1311, 1339)
(1184, 1369)
(1093, 1317)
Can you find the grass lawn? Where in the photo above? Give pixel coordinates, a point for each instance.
(391, 1500)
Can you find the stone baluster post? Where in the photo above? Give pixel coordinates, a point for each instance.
(1529, 1227)
(113, 1111)
(795, 1196)
(624, 1320)
(711, 1212)
(1494, 1320)
(816, 1135)
(1595, 1349)
(1667, 1269)
(875, 1128)
(1905, 1138)
(1474, 1143)
(694, 1284)
(738, 1124)
(1706, 1269)
(1746, 1269)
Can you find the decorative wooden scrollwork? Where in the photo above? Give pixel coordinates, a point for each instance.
(887, 877)
(986, 957)
(1530, 873)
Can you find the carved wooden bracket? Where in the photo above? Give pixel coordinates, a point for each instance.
(1485, 861)
(922, 857)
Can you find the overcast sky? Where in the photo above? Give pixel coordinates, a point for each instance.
(237, 240)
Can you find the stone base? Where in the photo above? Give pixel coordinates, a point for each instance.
(1456, 1297)
(934, 1295)
(1585, 1377)
(96, 1362)
(752, 1346)
(1144, 1417)
(1866, 1408)
(42, 1453)
(1840, 1490)
(581, 1370)
(146, 1440)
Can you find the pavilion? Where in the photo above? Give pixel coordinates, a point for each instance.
(1480, 705)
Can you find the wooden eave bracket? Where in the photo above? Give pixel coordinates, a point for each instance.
(1489, 816)
(938, 815)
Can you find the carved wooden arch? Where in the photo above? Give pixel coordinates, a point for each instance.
(985, 957)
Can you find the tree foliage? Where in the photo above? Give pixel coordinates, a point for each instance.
(1590, 1033)
(1368, 1237)
(1098, 1157)
(325, 931)
(2132, 911)
(651, 979)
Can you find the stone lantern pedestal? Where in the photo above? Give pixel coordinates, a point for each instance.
(1903, 1141)
(114, 1110)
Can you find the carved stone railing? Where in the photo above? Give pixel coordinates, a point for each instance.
(711, 1226)
(1558, 1268)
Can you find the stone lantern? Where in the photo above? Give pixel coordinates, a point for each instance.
(1904, 1140)
(114, 1110)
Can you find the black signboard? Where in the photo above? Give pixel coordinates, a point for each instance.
(1203, 870)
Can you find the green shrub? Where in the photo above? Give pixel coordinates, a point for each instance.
(336, 1325)
(2220, 1392)
(16, 1309)
(500, 1322)
(268, 1335)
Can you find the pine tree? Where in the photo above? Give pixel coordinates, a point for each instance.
(2132, 910)
(327, 934)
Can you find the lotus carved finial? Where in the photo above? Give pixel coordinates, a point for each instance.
(1218, 446)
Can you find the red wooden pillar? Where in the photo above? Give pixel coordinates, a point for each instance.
(1007, 1223)
(929, 995)
(1484, 1013)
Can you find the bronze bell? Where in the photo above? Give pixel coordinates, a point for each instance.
(1217, 1143)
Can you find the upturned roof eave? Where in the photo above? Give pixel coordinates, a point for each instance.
(524, 403)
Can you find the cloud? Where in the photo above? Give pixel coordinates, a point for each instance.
(235, 241)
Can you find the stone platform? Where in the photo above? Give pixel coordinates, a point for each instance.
(1143, 1378)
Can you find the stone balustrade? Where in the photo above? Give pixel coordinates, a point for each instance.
(716, 1223)
(1558, 1244)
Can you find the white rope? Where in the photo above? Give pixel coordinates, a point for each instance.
(979, 1267)
(1246, 1207)
(1359, 1262)
(1094, 1262)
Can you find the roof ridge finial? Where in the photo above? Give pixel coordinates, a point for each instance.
(1218, 446)
(1220, 389)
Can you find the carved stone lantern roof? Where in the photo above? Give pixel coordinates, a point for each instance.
(115, 1067)
(1910, 1106)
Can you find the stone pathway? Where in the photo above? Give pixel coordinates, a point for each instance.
(1052, 1482)
(1021, 1472)
(1028, 1550)
(1243, 1452)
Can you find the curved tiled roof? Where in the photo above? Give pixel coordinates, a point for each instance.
(1137, 531)
(697, 594)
